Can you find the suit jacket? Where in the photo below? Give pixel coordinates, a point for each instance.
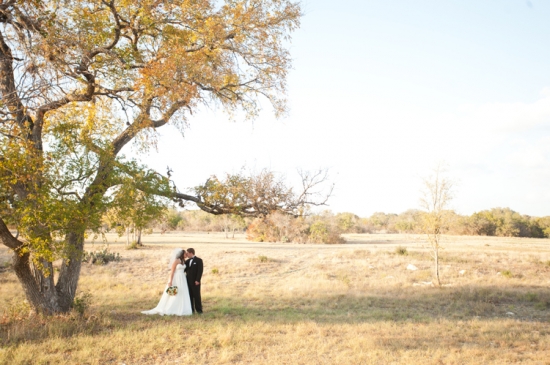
(194, 272)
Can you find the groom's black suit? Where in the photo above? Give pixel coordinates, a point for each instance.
(194, 273)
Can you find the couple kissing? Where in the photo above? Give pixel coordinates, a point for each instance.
(182, 295)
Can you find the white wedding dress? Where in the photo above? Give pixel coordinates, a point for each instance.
(179, 304)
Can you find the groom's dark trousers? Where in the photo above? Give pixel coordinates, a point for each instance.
(194, 273)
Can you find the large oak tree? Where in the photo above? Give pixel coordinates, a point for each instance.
(79, 80)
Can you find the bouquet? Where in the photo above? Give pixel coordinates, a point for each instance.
(172, 290)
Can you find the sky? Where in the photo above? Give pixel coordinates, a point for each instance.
(383, 90)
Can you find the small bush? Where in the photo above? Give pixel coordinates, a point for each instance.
(263, 258)
(17, 310)
(5, 266)
(81, 302)
(215, 271)
(531, 297)
(134, 245)
(507, 274)
(321, 232)
(278, 227)
(101, 257)
(401, 251)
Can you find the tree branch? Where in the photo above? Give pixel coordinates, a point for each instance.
(7, 238)
(143, 122)
(8, 89)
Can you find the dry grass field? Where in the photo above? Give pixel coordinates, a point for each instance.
(272, 303)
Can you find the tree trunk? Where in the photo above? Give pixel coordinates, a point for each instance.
(138, 243)
(436, 262)
(38, 282)
(39, 289)
(70, 271)
(39, 292)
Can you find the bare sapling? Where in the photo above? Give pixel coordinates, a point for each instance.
(437, 194)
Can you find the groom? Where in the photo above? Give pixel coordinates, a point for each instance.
(193, 268)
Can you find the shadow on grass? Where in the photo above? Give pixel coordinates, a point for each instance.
(424, 305)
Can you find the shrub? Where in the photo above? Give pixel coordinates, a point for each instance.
(263, 258)
(351, 223)
(173, 219)
(318, 232)
(542, 305)
(101, 257)
(81, 302)
(134, 245)
(215, 271)
(16, 310)
(321, 232)
(258, 231)
(278, 227)
(401, 251)
(507, 274)
(7, 265)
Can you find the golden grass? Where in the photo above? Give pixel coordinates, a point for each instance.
(271, 303)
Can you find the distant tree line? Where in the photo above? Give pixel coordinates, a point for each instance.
(327, 227)
(501, 222)
(324, 227)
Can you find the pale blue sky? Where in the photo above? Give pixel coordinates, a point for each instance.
(382, 90)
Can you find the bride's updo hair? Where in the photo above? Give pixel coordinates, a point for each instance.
(181, 256)
(176, 255)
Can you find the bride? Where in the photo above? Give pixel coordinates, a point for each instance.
(179, 304)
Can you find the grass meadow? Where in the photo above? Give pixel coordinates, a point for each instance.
(273, 303)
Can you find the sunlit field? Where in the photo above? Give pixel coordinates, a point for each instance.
(273, 303)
